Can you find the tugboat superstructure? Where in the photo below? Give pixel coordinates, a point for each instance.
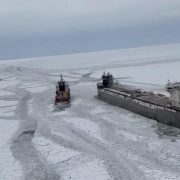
(62, 92)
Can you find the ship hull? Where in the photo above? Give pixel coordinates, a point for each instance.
(162, 115)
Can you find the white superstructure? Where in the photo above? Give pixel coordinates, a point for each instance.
(174, 90)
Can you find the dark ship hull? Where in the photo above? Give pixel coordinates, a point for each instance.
(152, 106)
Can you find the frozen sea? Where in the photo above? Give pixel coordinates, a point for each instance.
(89, 140)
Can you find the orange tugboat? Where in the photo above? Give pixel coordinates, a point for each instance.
(63, 95)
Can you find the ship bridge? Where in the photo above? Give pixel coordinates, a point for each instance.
(174, 90)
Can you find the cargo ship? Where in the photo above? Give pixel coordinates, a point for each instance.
(159, 107)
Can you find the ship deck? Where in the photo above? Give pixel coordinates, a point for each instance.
(148, 97)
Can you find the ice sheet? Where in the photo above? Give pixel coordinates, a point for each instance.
(85, 125)
(10, 168)
(7, 108)
(91, 170)
(53, 152)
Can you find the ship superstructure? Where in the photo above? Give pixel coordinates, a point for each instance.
(62, 92)
(174, 90)
(155, 106)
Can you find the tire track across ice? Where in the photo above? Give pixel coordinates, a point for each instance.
(126, 152)
(79, 140)
(34, 166)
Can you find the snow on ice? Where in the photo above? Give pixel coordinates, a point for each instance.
(53, 152)
(10, 168)
(89, 139)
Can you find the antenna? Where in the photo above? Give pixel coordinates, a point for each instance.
(61, 77)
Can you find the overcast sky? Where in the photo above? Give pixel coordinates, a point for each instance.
(52, 27)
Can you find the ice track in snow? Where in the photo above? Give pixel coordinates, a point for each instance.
(90, 140)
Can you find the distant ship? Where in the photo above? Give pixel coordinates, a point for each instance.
(154, 106)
